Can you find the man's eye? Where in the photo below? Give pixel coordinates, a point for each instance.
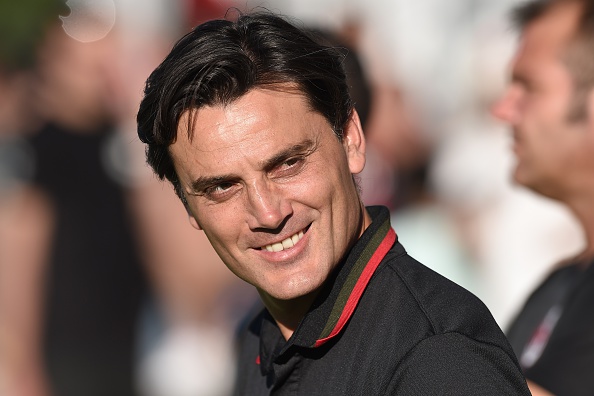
(218, 190)
(292, 164)
(288, 168)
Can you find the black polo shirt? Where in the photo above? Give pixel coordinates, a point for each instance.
(384, 324)
(563, 349)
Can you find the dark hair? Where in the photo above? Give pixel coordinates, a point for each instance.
(528, 12)
(579, 54)
(219, 61)
(359, 86)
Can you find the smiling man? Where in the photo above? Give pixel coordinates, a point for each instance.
(252, 123)
(549, 105)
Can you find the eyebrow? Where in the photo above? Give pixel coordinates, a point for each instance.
(306, 147)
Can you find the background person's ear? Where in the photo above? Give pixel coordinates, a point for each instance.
(353, 141)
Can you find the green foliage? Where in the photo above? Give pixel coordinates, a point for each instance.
(22, 25)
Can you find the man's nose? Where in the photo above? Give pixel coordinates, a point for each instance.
(506, 108)
(267, 207)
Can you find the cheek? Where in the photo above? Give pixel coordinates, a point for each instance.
(311, 187)
(543, 108)
(221, 227)
(219, 243)
(319, 190)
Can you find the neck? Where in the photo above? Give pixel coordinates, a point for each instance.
(288, 313)
(584, 211)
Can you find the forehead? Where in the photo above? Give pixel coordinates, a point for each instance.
(545, 39)
(253, 127)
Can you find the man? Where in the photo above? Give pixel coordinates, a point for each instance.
(251, 122)
(550, 107)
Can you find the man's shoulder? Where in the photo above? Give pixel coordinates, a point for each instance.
(422, 323)
(445, 306)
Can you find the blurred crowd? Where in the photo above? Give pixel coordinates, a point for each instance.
(104, 285)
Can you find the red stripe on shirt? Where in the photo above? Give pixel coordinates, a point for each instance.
(361, 284)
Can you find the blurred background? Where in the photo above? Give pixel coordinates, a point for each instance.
(105, 288)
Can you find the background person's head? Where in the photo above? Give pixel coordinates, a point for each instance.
(220, 61)
(578, 55)
(549, 100)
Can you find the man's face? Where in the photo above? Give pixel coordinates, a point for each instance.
(271, 186)
(547, 144)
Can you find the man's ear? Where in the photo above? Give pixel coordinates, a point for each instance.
(194, 222)
(191, 216)
(353, 141)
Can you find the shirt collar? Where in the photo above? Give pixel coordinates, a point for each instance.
(342, 292)
(338, 299)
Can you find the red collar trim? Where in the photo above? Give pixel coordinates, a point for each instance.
(361, 284)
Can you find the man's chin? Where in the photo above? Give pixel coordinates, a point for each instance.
(289, 294)
(520, 178)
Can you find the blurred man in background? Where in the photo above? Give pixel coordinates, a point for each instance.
(550, 106)
(72, 278)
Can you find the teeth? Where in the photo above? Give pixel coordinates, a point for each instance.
(286, 244)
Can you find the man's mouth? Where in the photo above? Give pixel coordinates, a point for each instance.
(286, 243)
